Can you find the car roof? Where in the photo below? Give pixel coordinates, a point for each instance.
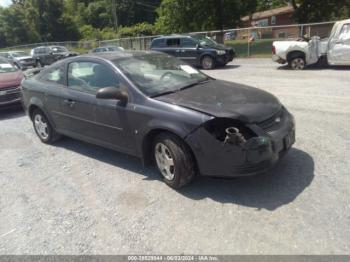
(172, 36)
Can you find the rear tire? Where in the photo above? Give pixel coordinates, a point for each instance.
(43, 128)
(174, 160)
(38, 64)
(208, 62)
(297, 63)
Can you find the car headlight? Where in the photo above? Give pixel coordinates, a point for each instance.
(220, 52)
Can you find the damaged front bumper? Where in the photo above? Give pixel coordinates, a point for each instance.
(265, 144)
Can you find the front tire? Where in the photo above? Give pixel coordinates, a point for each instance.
(208, 62)
(297, 63)
(43, 128)
(174, 160)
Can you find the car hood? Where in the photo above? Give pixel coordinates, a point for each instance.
(227, 100)
(23, 57)
(10, 79)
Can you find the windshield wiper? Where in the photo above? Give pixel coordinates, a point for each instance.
(194, 84)
(164, 93)
(180, 89)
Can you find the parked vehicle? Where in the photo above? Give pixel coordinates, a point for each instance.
(157, 107)
(107, 49)
(299, 54)
(47, 55)
(44, 55)
(62, 52)
(21, 59)
(197, 51)
(10, 80)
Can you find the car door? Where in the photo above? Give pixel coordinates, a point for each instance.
(95, 120)
(339, 47)
(189, 50)
(172, 47)
(53, 82)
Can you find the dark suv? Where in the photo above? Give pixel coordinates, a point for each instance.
(197, 51)
(43, 56)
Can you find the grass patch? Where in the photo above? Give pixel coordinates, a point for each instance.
(258, 48)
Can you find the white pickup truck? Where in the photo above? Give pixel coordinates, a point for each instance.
(299, 54)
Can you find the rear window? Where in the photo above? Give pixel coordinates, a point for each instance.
(158, 42)
(173, 42)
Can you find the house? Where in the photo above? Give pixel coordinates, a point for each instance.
(274, 17)
(277, 16)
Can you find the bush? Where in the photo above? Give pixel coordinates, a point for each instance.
(142, 29)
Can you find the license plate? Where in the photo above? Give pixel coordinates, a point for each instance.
(3, 93)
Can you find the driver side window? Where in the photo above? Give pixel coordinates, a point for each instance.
(89, 77)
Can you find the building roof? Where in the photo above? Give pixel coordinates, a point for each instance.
(273, 12)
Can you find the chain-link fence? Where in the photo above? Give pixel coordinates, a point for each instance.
(248, 42)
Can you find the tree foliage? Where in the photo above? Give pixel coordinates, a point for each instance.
(29, 21)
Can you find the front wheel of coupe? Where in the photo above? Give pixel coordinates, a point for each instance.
(43, 128)
(174, 160)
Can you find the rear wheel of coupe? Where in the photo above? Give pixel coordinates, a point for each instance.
(43, 128)
(208, 62)
(297, 63)
(174, 160)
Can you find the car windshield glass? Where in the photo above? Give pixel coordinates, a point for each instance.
(19, 54)
(114, 48)
(59, 49)
(206, 41)
(6, 67)
(157, 74)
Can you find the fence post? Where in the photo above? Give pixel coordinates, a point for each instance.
(248, 39)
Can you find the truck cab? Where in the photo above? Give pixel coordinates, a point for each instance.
(300, 54)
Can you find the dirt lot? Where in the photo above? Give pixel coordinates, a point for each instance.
(75, 198)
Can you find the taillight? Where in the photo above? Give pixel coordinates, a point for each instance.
(273, 50)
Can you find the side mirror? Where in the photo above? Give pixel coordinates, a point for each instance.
(197, 46)
(112, 93)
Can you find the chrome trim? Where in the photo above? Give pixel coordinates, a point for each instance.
(85, 120)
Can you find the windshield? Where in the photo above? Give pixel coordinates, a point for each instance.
(206, 41)
(157, 74)
(19, 54)
(114, 48)
(6, 67)
(59, 49)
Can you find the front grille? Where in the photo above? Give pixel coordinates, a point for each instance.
(10, 88)
(10, 97)
(272, 123)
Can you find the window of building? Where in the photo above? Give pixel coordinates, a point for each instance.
(273, 20)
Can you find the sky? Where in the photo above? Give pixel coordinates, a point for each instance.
(5, 2)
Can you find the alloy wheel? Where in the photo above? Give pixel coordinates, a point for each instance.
(41, 126)
(165, 161)
(298, 64)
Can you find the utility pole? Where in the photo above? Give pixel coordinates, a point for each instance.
(114, 14)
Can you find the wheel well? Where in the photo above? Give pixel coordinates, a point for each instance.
(209, 55)
(31, 110)
(148, 141)
(295, 54)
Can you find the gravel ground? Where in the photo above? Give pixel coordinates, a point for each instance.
(75, 198)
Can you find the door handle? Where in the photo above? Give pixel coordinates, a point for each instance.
(69, 102)
(177, 51)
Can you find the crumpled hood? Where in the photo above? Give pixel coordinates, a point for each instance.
(10, 79)
(228, 100)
